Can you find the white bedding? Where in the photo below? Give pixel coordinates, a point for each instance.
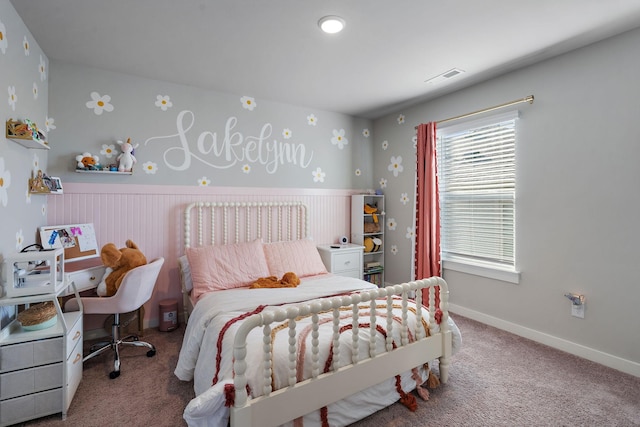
(197, 359)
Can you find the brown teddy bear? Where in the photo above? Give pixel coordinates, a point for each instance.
(118, 262)
(289, 280)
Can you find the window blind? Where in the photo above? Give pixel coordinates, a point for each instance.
(477, 182)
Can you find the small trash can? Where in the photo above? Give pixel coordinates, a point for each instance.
(168, 315)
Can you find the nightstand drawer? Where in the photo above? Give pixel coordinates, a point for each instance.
(346, 261)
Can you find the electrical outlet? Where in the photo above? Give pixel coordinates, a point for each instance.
(577, 310)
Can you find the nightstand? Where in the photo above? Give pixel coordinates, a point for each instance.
(343, 261)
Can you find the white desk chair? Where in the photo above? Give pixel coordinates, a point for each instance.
(135, 290)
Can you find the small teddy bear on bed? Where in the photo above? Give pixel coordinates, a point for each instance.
(289, 280)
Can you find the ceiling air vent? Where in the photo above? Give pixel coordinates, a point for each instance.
(444, 76)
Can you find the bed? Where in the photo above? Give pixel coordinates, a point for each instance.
(330, 351)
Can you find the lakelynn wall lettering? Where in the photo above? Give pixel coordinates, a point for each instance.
(234, 148)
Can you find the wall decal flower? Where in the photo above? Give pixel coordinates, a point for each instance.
(366, 133)
(108, 150)
(13, 98)
(385, 144)
(383, 183)
(392, 224)
(44, 210)
(99, 103)
(164, 102)
(286, 133)
(312, 120)
(19, 240)
(204, 182)
(358, 172)
(25, 45)
(150, 167)
(5, 183)
(401, 119)
(49, 123)
(415, 141)
(35, 163)
(3, 38)
(27, 195)
(318, 175)
(410, 233)
(35, 90)
(404, 198)
(248, 103)
(394, 249)
(396, 165)
(43, 69)
(246, 168)
(339, 139)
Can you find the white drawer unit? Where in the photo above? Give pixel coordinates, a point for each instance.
(40, 369)
(343, 260)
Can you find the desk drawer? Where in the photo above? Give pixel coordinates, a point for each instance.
(27, 381)
(346, 261)
(31, 353)
(86, 279)
(74, 336)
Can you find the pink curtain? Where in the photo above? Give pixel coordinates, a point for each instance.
(427, 259)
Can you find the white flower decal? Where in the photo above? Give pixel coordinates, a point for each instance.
(204, 182)
(13, 98)
(35, 164)
(19, 240)
(394, 249)
(286, 133)
(108, 150)
(5, 182)
(99, 103)
(25, 45)
(150, 168)
(43, 69)
(404, 198)
(383, 183)
(385, 144)
(49, 123)
(410, 233)
(35, 90)
(415, 141)
(392, 224)
(312, 120)
(318, 175)
(27, 195)
(366, 133)
(246, 168)
(396, 165)
(248, 103)
(358, 172)
(3, 38)
(401, 119)
(164, 102)
(44, 210)
(339, 138)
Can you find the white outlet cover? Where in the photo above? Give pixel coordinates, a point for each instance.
(577, 310)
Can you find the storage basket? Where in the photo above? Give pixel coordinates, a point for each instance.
(38, 316)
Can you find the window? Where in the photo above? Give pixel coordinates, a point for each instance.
(477, 183)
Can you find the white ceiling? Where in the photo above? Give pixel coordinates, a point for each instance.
(273, 49)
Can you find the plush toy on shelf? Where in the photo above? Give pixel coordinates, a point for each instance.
(126, 159)
(118, 263)
(87, 161)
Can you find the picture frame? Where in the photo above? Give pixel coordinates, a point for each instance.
(55, 185)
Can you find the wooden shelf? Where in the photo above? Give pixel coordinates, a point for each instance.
(105, 172)
(21, 136)
(29, 143)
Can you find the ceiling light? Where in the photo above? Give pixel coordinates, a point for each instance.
(331, 24)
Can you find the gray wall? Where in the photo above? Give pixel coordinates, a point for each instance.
(577, 199)
(230, 136)
(20, 213)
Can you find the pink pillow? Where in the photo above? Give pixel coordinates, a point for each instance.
(300, 256)
(226, 266)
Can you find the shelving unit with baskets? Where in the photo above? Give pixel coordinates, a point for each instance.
(367, 229)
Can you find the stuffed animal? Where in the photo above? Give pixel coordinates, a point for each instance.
(289, 280)
(87, 161)
(126, 159)
(118, 263)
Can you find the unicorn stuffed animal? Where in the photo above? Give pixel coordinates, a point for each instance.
(126, 159)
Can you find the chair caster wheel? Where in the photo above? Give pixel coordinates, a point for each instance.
(114, 374)
(151, 353)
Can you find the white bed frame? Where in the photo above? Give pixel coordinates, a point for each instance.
(288, 221)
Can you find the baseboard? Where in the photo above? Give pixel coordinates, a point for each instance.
(609, 360)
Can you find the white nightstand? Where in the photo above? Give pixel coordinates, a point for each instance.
(346, 260)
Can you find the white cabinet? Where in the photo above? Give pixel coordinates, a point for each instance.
(344, 260)
(40, 370)
(367, 229)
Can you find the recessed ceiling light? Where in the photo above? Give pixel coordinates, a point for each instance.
(331, 24)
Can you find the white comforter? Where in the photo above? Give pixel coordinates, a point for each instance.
(197, 359)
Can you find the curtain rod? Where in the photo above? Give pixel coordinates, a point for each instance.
(528, 99)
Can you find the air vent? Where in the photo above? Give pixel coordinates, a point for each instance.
(444, 76)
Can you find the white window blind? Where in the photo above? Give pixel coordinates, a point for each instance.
(477, 182)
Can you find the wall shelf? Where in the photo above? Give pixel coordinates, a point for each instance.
(105, 172)
(22, 138)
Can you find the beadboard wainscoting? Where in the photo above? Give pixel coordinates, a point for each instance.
(152, 216)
